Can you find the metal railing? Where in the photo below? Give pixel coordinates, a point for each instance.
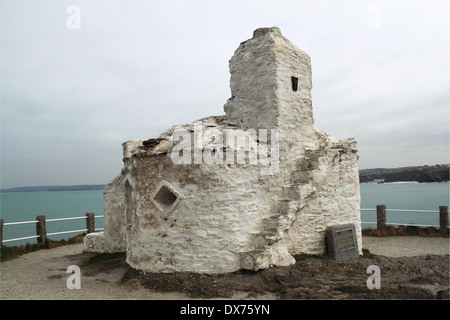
(41, 230)
(41, 233)
(17, 223)
(381, 217)
(403, 224)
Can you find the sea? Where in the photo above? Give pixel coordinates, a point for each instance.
(404, 196)
(25, 206)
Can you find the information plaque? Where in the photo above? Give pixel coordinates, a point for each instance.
(345, 239)
(342, 243)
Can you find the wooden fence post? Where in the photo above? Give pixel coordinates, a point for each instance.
(381, 216)
(443, 219)
(90, 222)
(41, 229)
(1, 232)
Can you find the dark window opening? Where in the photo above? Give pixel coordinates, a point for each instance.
(294, 83)
(165, 198)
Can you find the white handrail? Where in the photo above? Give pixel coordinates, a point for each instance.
(48, 234)
(402, 210)
(83, 230)
(410, 225)
(20, 222)
(23, 238)
(407, 210)
(63, 219)
(64, 232)
(402, 224)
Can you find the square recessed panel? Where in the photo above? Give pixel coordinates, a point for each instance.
(165, 198)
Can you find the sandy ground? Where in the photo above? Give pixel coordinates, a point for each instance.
(406, 246)
(43, 274)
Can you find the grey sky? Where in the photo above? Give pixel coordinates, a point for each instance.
(70, 97)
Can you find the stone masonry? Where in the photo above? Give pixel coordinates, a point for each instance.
(245, 190)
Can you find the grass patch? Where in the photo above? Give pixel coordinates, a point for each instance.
(305, 256)
(368, 254)
(9, 253)
(410, 231)
(107, 260)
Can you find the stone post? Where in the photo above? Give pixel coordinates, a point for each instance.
(1, 232)
(90, 222)
(381, 216)
(41, 229)
(443, 219)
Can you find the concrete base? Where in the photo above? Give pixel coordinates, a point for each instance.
(94, 242)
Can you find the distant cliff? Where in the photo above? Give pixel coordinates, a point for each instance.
(437, 173)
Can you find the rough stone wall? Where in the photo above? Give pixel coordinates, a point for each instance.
(221, 217)
(113, 238)
(314, 168)
(253, 84)
(217, 221)
(261, 90)
(330, 196)
(115, 221)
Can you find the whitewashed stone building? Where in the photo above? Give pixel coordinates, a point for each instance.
(187, 201)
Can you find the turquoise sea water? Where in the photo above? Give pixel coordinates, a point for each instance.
(25, 206)
(405, 195)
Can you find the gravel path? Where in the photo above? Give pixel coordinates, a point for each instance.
(42, 274)
(406, 246)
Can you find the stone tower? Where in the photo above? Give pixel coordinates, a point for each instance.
(217, 216)
(271, 86)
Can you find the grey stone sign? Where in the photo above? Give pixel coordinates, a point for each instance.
(342, 243)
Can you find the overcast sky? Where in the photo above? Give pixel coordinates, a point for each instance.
(70, 97)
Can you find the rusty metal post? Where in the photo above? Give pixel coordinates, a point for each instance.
(90, 222)
(1, 232)
(443, 219)
(41, 229)
(381, 216)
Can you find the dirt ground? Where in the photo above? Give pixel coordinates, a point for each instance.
(416, 268)
(312, 277)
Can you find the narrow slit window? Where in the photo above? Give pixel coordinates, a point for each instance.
(294, 83)
(128, 204)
